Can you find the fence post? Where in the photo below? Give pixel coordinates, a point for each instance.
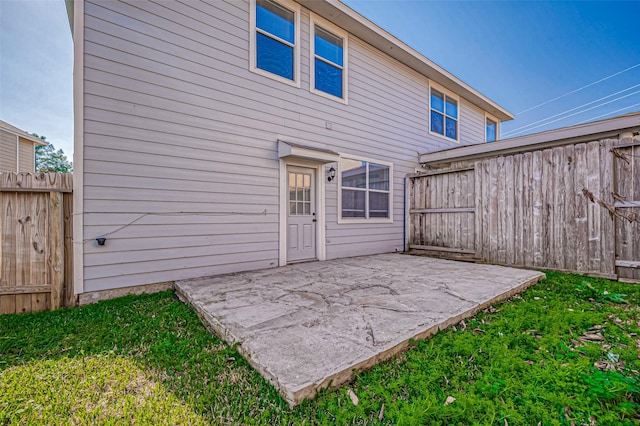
(56, 248)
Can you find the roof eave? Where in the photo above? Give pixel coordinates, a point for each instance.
(596, 130)
(356, 24)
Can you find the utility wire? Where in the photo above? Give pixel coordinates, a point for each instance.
(143, 215)
(531, 126)
(609, 113)
(579, 89)
(570, 110)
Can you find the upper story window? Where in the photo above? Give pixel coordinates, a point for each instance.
(491, 130)
(275, 51)
(365, 190)
(329, 59)
(444, 114)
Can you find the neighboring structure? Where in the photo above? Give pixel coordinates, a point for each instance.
(566, 199)
(221, 136)
(17, 149)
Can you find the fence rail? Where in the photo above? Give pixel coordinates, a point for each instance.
(570, 208)
(36, 253)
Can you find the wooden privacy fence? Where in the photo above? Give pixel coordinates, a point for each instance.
(36, 253)
(570, 208)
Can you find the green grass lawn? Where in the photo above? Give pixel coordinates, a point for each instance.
(564, 352)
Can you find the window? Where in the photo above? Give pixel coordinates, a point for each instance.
(444, 114)
(491, 130)
(365, 190)
(299, 194)
(275, 51)
(328, 62)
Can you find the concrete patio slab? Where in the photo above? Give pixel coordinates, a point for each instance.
(308, 325)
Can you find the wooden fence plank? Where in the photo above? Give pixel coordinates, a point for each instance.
(537, 202)
(509, 213)
(607, 225)
(67, 205)
(593, 185)
(477, 200)
(581, 209)
(457, 202)
(493, 211)
(634, 153)
(569, 223)
(517, 211)
(471, 218)
(8, 271)
(24, 205)
(56, 248)
(486, 208)
(527, 210)
(501, 212)
(557, 213)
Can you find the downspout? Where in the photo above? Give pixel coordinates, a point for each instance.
(17, 154)
(404, 217)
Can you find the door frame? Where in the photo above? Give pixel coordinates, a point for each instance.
(321, 247)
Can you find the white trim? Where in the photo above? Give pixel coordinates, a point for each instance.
(291, 149)
(17, 154)
(321, 246)
(342, 220)
(78, 147)
(293, 7)
(339, 32)
(450, 94)
(495, 120)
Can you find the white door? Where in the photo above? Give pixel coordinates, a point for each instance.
(301, 214)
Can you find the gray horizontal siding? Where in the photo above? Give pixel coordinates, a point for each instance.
(181, 139)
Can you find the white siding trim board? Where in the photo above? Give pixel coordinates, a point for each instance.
(78, 146)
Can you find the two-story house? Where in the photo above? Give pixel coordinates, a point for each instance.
(221, 136)
(17, 149)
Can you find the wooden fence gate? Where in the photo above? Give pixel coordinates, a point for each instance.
(572, 208)
(442, 212)
(627, 211)
(36, 252)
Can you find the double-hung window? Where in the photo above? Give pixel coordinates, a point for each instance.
(365, 190)
(444, 114)
(491, 130)
(328, 59)
(275, 40)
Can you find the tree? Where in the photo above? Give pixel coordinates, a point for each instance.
(50, 160)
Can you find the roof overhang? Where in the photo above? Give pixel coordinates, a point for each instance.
(303, 152)
(69, 5)
(356, 24)
(21, 133)
(603, 129)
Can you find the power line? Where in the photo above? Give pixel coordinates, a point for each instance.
(546, 121)
(609, 113)
(578, 89)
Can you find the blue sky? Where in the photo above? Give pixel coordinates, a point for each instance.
(520, 54)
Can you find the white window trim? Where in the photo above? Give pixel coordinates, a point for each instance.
(495, 120)
(315, 19)
(342, 220)
(451, 95)
(295, 8)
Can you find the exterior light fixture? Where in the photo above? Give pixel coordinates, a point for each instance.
(331, 174)
(101, 241)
